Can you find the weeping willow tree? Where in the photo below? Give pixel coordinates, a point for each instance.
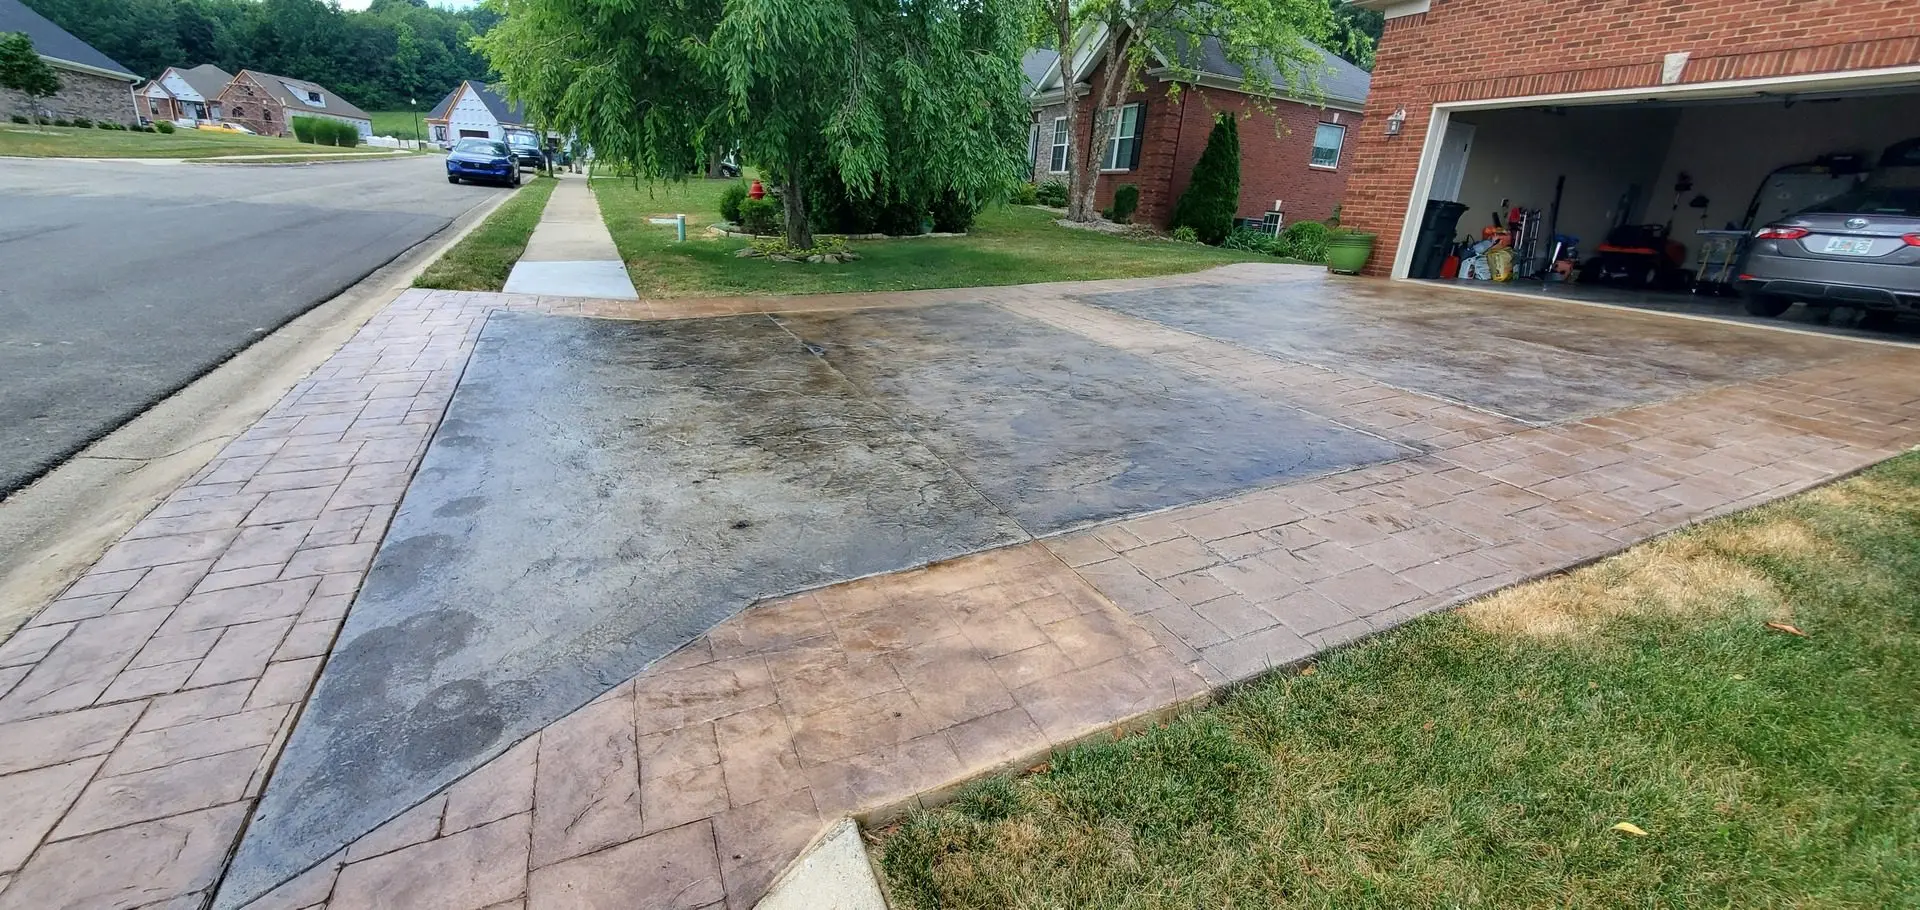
(910, 98)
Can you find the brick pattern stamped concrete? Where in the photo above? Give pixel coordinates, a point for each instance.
(141, 712)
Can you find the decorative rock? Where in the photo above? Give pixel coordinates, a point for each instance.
(816, 258)
(747, 253)
(849, 256)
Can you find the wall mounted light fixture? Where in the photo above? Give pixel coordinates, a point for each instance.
(1396, 120)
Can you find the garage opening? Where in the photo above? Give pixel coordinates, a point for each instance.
(1665, 204)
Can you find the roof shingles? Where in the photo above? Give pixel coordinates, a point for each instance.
(54, 42)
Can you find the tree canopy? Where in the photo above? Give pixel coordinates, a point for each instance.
(903, 99)
(22, 70)
(378, 58)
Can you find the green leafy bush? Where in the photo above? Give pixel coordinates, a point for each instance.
(1305, 240)
(165, 126)
(62, 121)
(1026, 194)
(1126, 199)
(953, 213)
(1185, 234)
(1213, 195)
(305, 129)
(1052, 193)
(730, 199)
(760, 216)
(83, 123)
(17, 118)
(1252, 241)
(835, 209)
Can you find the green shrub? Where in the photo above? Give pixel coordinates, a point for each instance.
(83, 123)
(305, 129)
(346, 135)
(1185, 234)
(1026, 194)
(165, 126)
(17, 118)
(1213, 195)
(1052, 193)
(730, 199)
(760, 216)
(1252, 241)
(1305, 240)
(836, 209)
(953, 213)
(62, 121)
(1126, 199)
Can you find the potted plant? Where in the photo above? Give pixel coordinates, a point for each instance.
(1347, 250)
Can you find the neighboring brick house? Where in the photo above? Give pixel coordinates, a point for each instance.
(1292, 154)
(92, 85)
(184, 94)
(267, 104)
(1613, 107)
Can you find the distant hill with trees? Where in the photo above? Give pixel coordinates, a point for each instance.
(377, 58)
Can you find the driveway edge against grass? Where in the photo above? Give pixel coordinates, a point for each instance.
(482, 260)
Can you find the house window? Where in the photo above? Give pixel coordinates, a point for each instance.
(313, 97)
(1058, 162)
(1327, 138)
(153, 107)
(1123, 127)
(239, 112)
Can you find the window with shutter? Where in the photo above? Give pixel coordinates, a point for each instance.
(1123, 140)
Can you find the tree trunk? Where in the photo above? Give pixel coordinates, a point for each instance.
(793, 198)
(1084, 206)
(1076, 170)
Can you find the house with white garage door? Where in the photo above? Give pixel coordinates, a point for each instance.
(473, 110)
(1671, 139)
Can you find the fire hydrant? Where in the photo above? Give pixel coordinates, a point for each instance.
(756, 191)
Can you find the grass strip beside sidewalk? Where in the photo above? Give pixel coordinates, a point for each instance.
(1482, 758)
(482, 260)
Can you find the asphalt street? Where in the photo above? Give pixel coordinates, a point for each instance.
(122, 282)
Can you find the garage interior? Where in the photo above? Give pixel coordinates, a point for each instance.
(1720, 166)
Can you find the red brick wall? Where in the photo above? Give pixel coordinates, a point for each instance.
(1479, 49)
(256, 109)
(1273, 163)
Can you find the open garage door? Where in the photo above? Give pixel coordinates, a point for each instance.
(1661, 202)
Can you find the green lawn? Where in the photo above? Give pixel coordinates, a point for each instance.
(399, 124)
(1009, 245)
(482, 260)
(66, 142)
(1481, 758)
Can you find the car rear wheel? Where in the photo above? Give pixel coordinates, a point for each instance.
(1766, 304)
(516, 180)
(451, 178)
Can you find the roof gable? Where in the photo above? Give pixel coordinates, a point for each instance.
(504, 113)
(1330, 79)
(291, 93)
(56, 43)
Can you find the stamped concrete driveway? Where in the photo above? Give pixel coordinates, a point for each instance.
(125, 281)
(651, 605)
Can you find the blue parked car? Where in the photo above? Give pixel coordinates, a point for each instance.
(482, 160)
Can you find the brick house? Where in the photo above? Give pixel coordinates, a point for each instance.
(267, 104)
(1292, 160)
(92, 85)
(1626, 112)
(184, 94)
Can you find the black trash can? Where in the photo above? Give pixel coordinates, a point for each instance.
(1436, 238)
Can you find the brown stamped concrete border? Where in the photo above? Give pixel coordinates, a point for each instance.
(140, 712)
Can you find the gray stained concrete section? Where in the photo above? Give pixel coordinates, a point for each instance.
(1059, 430)
(126, 281)
(1541, 364)
(603, 492)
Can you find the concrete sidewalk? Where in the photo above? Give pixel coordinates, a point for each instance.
(571, 254)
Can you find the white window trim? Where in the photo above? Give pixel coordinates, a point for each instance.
(1059, 139)
(1109, 157)
(1337, 151)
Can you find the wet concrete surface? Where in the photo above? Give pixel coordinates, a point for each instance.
(1059, 430)
(602, 492)
(1844, 322)
(1528, 359)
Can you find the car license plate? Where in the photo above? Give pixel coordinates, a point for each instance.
(1849, 246)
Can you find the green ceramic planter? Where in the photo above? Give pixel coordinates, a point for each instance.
(1347, 253)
